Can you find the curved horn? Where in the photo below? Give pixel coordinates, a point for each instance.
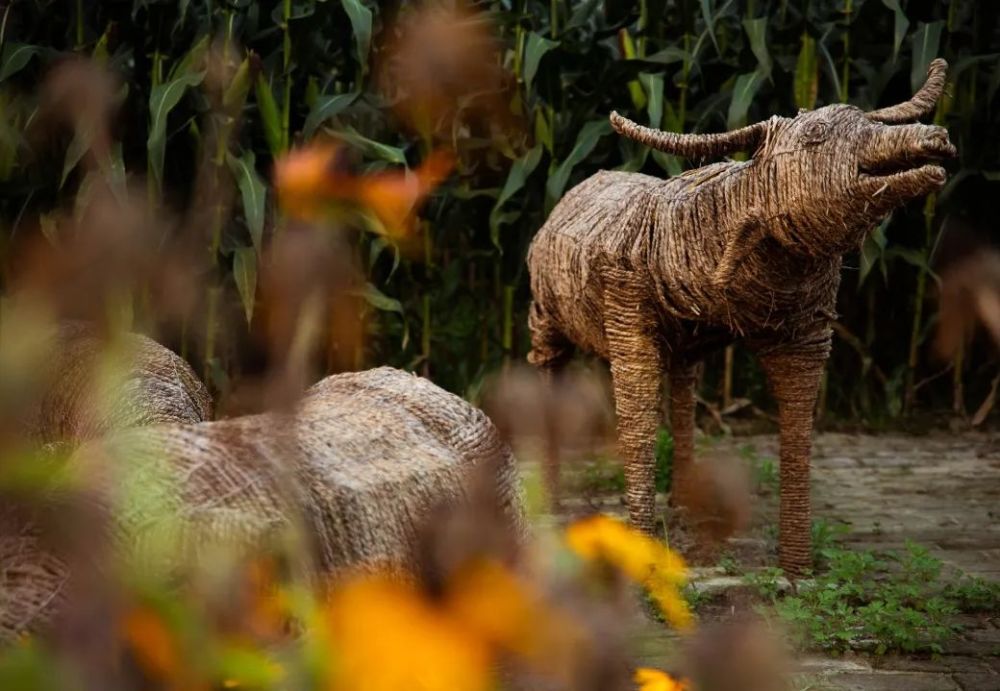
(691, 145)
(922, 103)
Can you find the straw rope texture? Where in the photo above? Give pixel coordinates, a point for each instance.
(350, 477)
(147, 385)
(652, 274)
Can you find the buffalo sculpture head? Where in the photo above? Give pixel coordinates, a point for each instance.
(821, 180)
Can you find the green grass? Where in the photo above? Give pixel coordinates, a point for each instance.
(605, 475)
(876, 601)
(763, 470)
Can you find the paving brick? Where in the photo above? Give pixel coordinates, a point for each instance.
(902, 681)
(941, 663)
(978, 682)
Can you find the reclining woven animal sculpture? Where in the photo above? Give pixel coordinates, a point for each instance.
(351, 477)
(72, 402)
(148, 385)
(652, 274)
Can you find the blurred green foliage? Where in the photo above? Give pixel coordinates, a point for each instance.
(459, 310)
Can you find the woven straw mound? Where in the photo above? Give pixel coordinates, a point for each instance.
(149, 385)
(352, 476)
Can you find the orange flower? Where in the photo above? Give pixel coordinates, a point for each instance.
(268, 611)
(151, 643)
(387, 637)
(442, 65)
(494, 604)
(650, 679)
(309, 184)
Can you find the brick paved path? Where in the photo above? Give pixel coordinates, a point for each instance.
(942, 491)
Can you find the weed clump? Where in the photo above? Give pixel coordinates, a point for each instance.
(876, 601)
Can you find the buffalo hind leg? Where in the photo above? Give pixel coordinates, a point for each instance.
(794, 380)
(636, 370)
(550, 352)
(682, 409)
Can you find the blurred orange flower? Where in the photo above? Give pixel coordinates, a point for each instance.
(268, 611)
(441, 67)
(152, 644)
(310, 183)
(659, 569)
(387, 637)
(649, 679)
(501, 609)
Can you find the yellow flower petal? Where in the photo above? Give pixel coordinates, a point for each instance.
(649, 679)
(647, 562)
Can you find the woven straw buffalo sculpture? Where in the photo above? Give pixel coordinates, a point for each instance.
(652, 274)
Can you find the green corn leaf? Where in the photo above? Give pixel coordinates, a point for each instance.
(235, 94)
(379, 300)
(667, 56)
(873, 251)
(708, 17)
(361, 23)
(543, 130)
(912, 256)
(831, 68)
(926, 40)
(806, 74)
(372, 148)
(100, 52)
(518, 175)
(379, 245)
(245, 275)
(627, 46)
(590, 134)
(535, 49)
(269, 115)
(82, 140)
(163, 99)
(653, 85)
(253, 194)
(325, 108)
(16, 57)
(757, 33)
(901, 24)
(744, 90)
(49, 225)
(582, 14)
(74, 153)
(193, 60)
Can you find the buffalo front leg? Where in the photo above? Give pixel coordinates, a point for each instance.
(682, 408)
(794, 381)
(636, 371)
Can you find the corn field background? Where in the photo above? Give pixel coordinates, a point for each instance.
(452, 304)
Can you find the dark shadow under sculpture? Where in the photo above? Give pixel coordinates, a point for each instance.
(652, 274)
